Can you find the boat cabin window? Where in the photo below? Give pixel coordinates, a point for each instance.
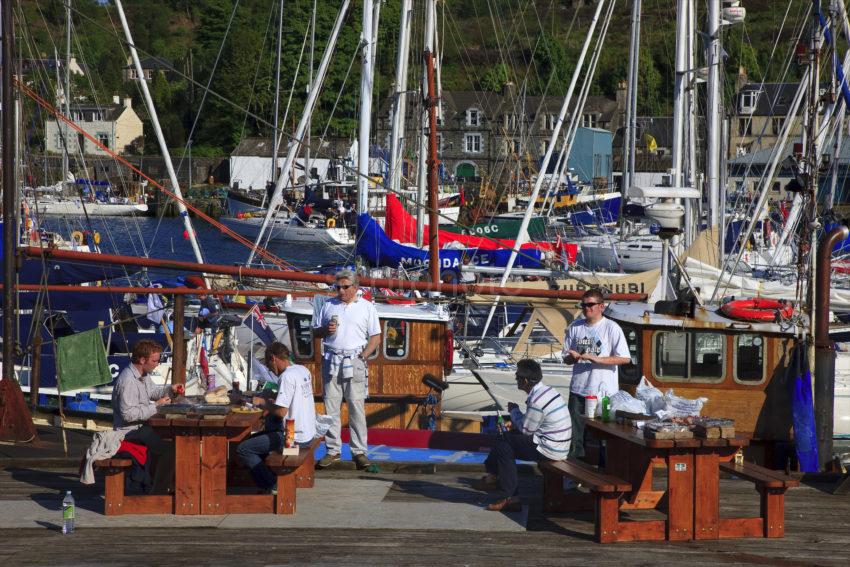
(749, 358)
(694, 355)
(396, 339)
(630, 373)
(302, 336)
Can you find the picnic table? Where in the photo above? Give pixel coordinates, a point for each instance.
(691, 500)
(200, 457)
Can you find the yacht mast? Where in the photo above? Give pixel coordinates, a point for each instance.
(309, 105)
(276, 119)
(628, 159)
(714, 114)
(400, 99)
(421, 178)
(366, 81)
(163, 147)
(67, 89)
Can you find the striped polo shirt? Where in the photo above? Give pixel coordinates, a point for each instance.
(547, 420)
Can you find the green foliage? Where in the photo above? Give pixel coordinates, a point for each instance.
(485, 43)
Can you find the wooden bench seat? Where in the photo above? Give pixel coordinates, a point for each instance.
(116, 502)
(771, 486)
(604, 497)
(293, 472)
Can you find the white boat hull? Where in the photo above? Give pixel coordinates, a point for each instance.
(72, 207)
(281, 230)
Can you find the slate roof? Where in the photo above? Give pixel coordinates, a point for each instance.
(774, 99)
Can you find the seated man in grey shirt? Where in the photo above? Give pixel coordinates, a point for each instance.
(135, 399)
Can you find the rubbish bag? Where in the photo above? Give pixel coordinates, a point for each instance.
(677, 406)
(650, 395)
(624, 401)
(802, 409)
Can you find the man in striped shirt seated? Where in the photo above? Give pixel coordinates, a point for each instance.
(542, 434)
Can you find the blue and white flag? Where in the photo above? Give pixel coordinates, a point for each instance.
(259, 325)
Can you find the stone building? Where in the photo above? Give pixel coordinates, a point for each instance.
(116, 126)
(500, 137)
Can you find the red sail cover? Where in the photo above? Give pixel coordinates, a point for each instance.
(401, 226)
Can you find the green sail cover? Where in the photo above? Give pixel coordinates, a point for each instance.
(81, 361)
(501, 228)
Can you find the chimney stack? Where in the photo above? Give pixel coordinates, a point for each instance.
(116, 99)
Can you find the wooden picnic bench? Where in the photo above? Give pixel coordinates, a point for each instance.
(605, 493)
(771, 486)
(293, 472)
(117, 502)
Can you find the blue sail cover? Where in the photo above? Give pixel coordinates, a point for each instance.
(379, 250)
(802, 409)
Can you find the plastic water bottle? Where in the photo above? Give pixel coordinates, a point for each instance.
(68, 513)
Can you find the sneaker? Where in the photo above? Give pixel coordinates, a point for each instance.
(362, 461)
(327, 460)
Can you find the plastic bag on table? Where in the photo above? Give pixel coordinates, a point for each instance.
(624, 401)
(677, 406)
(650, 395)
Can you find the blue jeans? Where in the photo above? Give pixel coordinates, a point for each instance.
(253, 451)
(502, 459)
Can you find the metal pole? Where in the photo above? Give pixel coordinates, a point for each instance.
(824, 386)
(366, 79)
(421, 179)
(10, 242)
(67, 89)
(163, 147)
(713, 116)
(400, 98)
(276, 119)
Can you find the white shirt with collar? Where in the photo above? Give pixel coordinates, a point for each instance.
(357, 321)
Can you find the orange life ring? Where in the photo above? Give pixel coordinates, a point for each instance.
(758, 309)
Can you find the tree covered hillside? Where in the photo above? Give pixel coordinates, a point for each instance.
(231, 46)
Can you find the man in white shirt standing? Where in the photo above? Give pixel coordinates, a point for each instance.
(595, 346)
(351, 333)
(294, 401)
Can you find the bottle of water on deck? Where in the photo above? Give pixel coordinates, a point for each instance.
(68, 513)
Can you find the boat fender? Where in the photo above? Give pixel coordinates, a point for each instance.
(96, 237)
(330, 223)
(77, 237)
(758, 309)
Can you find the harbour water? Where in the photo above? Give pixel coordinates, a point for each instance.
(164, 238)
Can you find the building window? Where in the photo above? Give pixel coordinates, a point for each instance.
(745, 127)
(473, 117)
(778, 122)
(589, 120)
(132, 73)
(439, 143)
(472, 143)
(549, 121)
(748, 101)
(148, 74)
(396, 338)
(509, 121)
(544, 145)
(510, 147)
(103, 138)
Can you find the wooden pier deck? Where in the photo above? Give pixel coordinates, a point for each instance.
(442, 525)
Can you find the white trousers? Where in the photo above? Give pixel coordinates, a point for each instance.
(354, 390)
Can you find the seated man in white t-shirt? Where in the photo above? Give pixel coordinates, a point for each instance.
(595, 346)
(294, 401)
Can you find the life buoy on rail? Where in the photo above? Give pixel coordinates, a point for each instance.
(758, 309)
(77, 237)
(330, 223)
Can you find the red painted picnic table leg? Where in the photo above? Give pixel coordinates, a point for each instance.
(680, 494)
(187, 448)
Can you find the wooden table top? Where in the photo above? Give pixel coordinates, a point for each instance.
(634, 435)
(233, 420)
